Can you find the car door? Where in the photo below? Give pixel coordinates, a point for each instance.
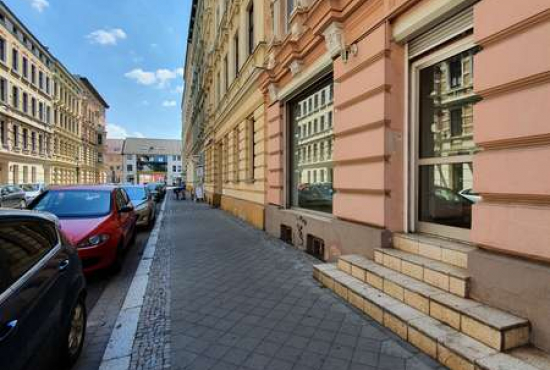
(32, 265)
(13, 197)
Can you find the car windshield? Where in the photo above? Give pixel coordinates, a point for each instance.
(152, 187)
(136, 193)
(30, 187)
(75, 203)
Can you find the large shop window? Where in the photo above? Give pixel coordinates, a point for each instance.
(446, 142)
(312, 144)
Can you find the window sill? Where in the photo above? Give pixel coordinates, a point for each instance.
(321, 216)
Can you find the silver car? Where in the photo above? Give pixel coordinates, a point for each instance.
(12, 196)
(144, 204)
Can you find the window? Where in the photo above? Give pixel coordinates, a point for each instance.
(41, 80)
(3, 133)
(15, 59)
(251, 148)
(25, 138)
(226, 71)
(41, 144)
(25, 102)
(47, 85)
(16, 136)
(236, 47)
(33, 107)
(456, 122)
(41, 111)
(250, 17)
(3, 89)
(15, 97)
(48, 114)
(289, 10)
(22, 245)
(33, 74)
(455, 72)
(173, 168)
(179, 168)
(25, 67)
(311, 172)
(33, 174)
(3, 50)
(130, 168)
(174, 158)
(33, 141)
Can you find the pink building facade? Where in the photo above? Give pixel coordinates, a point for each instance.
(398, 118)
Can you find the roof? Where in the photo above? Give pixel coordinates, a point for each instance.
(93, 90)
(13, 213)
(152, 146)
(114, 146)
(85, 187)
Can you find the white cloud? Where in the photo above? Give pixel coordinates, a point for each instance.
(119, 132)
(40, 5)
(161, 78)
(169, 103)
(178, 90)
(107, 36)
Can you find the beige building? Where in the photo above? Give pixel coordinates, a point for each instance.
(67, 119)
(26, 127)
(114, 160)
(92, 167)
(224, 126)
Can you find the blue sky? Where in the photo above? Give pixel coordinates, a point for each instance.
(131, 50)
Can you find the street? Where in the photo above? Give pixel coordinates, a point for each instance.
(106, 294)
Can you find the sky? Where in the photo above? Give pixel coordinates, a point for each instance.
(131, 50)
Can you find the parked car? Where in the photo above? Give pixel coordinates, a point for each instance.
(33, 190)
(12, 196)
(144, 204)
(99, 220)
(42, 294)
(158, 190)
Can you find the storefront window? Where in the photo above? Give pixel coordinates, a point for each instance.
(312, 157)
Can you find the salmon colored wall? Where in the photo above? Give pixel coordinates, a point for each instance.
(513, 77)
(274, 155)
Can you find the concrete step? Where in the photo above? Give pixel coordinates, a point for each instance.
(449, 251)
(447, 277)
(443, 343)
(533, 356)
(495, 328)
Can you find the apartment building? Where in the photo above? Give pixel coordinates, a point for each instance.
(52, 123)
(406, 142)
(114, 160)
(224, 128)
(67, 120)
(152, 160)
(26, 101)
(92, 168)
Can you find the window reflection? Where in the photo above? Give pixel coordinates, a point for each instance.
(312, 144)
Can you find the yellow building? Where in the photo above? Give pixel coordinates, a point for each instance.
(67, 121)
(224, 115)
(26, 130)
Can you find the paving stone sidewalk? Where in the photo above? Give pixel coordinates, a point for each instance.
(239, 299)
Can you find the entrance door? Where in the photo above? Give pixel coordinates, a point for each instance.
(443, 86)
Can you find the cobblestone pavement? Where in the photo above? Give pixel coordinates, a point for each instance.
(240, 299)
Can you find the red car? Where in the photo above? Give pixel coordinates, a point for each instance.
(99, 220)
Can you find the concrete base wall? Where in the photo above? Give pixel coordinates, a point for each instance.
(250, 212)
(213, 199)
(512, 284)
(340, 237)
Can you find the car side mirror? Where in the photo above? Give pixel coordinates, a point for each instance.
(126, 209)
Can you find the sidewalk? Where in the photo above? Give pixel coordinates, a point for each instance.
(222, 295)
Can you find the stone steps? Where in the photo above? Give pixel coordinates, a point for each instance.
(441, 275)
(444, 343)
(438, 249)
(497, 329)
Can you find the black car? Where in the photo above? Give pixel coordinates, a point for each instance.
(12, 196)
(157, 190)
(42, 294)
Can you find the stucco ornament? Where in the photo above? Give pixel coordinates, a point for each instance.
(296, 67)
(273, 92)
(271, 62)
(297, 30)
(334, 39)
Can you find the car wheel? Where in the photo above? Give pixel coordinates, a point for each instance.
(76, 332)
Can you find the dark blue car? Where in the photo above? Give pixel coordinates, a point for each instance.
(42, 294)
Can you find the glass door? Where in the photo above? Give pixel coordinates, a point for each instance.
(444, 89)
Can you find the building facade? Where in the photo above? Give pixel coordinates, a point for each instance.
(152, 160)
(407, 133)
(26, 101)
(92, 168)
(67, 120)
(41, 113)
(114, 160)
(224, 127)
